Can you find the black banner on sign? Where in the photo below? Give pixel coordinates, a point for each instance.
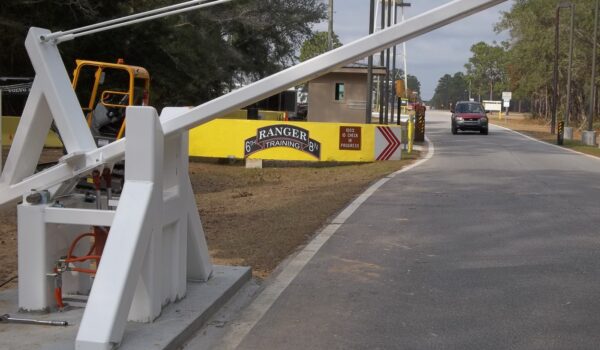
(282, 135)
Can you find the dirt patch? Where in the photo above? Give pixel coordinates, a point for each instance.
(525, 124)
(252, 217)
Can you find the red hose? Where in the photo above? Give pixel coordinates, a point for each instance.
(100, 235)
(82, 258)
(75, 241)
(107, 177)
(95, 252)
(82, 270)
(96, 179)
(58, 297)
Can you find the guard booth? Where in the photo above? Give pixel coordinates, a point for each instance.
(340, 96)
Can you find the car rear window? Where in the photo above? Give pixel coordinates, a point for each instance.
(469, 108)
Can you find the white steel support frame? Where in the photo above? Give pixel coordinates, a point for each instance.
(156, 240)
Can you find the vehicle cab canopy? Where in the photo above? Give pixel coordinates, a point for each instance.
(112, 85)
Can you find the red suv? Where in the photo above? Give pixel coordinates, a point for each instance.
(467, 115)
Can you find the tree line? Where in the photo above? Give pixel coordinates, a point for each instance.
(524, 64)
(192, 57)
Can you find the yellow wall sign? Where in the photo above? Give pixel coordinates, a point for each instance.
(276, 140)
(282, 135)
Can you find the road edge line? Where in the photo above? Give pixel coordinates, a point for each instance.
(255, 311)
(546, 143)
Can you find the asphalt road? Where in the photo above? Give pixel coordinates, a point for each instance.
(493, 243)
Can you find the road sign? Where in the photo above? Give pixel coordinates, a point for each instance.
(492, 105)
(350, 138)
(387, 143)
(506, 95)
(506, 103)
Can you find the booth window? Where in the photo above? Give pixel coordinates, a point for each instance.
(339, 91)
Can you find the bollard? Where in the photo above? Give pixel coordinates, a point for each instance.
(560, 133)
(420, 123)
(411, 133)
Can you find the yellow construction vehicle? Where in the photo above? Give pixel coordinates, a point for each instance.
(105, 90)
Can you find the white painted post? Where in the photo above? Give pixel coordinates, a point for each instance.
(199, 266)
(131, 240)
(35, 292)
(197, 259)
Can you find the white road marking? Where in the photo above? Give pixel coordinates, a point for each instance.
(546, 143)
(263, 302)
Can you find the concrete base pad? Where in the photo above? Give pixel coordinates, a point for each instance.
(254, 163)
(588, 138)
(568, 135)
(176, 324)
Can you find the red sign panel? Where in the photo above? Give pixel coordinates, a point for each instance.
(350, 138)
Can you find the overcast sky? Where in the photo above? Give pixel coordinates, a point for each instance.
(432, 55)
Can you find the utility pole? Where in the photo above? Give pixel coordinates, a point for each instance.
(555, 73)
(369, 109)
(387, 66)
(469, 89)
(382, 64)
(402, 6)
(385, 92)
(570, 66)
(330, 29)
(555, 78)
(593, 83)
(393, 90)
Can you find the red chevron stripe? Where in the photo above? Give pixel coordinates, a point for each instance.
(394, 140)
(385, 150)
(393, 143)
(385, 154)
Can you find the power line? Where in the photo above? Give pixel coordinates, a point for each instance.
(71, 34)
